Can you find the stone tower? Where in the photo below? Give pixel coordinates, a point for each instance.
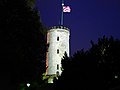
(57, 45)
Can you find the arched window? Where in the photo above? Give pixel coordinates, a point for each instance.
(57, 38)
(57, 51)
(57, 73)
(57, 66)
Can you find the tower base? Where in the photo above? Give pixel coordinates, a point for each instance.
(52, 78)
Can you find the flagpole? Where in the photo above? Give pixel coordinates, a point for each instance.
(62, 14)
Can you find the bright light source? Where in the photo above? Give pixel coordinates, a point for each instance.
(28, 84)
(116, 76)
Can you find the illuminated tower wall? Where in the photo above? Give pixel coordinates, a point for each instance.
(58, 44)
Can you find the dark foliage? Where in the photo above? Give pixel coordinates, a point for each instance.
(95, 69)
(22, 43)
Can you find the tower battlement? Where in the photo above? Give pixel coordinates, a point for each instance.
(59, 27)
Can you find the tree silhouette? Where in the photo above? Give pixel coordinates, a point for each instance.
(95, 69)
(108, 60)
(23, 43)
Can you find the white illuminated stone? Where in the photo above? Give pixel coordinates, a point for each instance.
(58, 41)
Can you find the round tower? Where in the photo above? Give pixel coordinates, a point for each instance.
(57, 45)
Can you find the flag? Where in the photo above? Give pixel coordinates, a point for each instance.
(66, 9)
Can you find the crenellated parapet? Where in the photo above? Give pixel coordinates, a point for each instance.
(59, 27)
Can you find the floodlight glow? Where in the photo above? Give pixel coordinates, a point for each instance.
(116, 76)
(28, 84)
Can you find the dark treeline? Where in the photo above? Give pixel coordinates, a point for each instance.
(22, 39)
(95, 69)
(22, 57)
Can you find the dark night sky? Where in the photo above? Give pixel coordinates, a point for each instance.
(88, 20)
